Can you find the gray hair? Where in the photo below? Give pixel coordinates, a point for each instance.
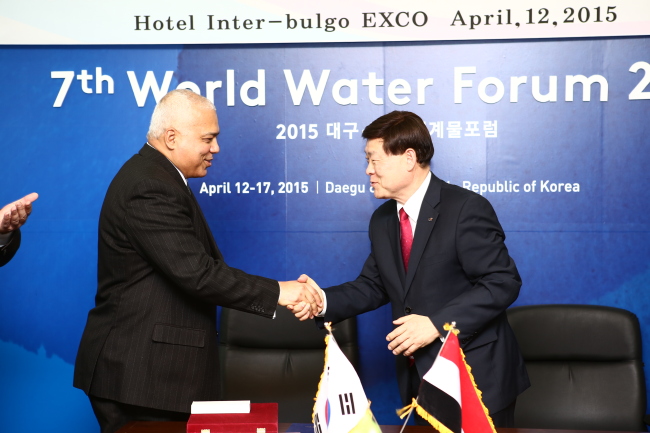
(168, 107)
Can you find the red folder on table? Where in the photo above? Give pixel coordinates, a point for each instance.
(263, 418)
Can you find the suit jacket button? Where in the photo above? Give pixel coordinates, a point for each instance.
(407, 310)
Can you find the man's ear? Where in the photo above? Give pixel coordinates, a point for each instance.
(170, 137)
(411, 159)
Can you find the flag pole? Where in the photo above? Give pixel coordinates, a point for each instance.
(407, 420)
(449, 328)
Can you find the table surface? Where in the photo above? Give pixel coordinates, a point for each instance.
(179, 427)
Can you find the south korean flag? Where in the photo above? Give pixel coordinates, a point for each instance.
(341, 404)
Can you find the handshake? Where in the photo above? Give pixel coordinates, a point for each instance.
(302, 297)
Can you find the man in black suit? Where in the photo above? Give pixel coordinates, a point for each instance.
(438, 256)
(150, 344)
(14, 215)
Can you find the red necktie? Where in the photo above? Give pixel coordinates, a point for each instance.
(406, 237)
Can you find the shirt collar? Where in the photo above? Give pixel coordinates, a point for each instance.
(414, 203)
(179, 172)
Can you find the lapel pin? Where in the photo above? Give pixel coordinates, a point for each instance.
(430, 219)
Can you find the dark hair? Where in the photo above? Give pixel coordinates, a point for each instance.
(402, 130)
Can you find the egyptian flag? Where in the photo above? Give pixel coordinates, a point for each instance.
(448, 397)
(341, 403)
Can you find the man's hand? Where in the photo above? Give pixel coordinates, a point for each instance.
(15, 214)
(413, 332)
(302, 311)
(300, 295)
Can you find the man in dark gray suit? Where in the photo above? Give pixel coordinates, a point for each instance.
(150, 344)
(13, 216)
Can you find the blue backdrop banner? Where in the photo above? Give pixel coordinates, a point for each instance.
(552, 132)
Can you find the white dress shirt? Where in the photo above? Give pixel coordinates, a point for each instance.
(414, 203)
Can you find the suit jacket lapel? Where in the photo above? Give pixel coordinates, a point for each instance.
(392, 228)
(426, 221)
(206, 228)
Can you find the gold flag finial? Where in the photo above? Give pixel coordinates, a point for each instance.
(451, 327)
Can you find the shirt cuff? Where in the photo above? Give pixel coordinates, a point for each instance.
(277, 304)
(324, 310)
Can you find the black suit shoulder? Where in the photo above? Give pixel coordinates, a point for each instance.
(450, 193)
(455, 192)
(465, 205)
(8, 251)
(148, 165)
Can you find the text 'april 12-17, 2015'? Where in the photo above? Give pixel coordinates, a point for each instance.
(328, 187)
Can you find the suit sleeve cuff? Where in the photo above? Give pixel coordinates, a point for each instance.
(5, 238)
